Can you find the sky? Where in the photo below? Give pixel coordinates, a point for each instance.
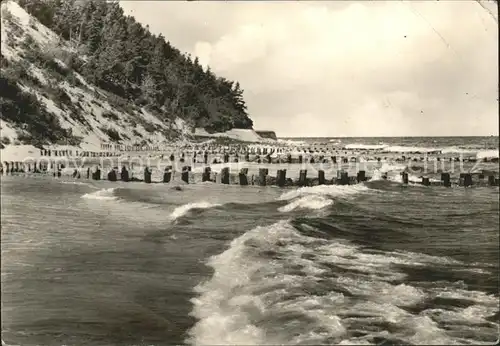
(342, 68)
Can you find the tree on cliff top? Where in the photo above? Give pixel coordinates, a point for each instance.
(126, 59)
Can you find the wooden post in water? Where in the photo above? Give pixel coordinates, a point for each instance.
(467, 179)
(185, 174)
(112, 175)
(300, 158)
(262, 176)
(243, 176)
(224, 175)
(167, 174)
(491, 180)
(281, 177)
(321, 177)
(205, 176)
(147, 175)
(302, 177)
(97, 174)
(445, 178)
(404, 177)
(342, 178)
(124, 176)
(361, 176)
(88, 173)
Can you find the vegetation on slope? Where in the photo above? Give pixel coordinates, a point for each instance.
(35, 124)
(119, 55)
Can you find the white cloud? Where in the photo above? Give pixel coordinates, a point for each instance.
(341, 68)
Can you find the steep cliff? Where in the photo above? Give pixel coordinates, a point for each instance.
(81, 72)
(267, 134)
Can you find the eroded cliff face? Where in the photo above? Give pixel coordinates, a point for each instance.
(267, 134)
(58, 91)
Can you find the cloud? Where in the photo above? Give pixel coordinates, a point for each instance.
(347, 68)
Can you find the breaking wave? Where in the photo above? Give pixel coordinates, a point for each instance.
(480, 153)
(186, 208)
(325, 190)
(274, 285)
(307, 202)
(102, 195)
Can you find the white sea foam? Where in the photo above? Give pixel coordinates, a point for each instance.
(263, 292)
(487, 154)
(6, 344)
(326, 190)
(102, 195)
(307, 202)
(290, 142)
(385, 169)
(366, 146)
(403, 149)
(407, 149)
(185, 208)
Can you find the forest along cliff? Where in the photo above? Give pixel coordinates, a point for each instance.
(83, 73)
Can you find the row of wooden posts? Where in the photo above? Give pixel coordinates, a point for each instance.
(287, 159)
(263, 178)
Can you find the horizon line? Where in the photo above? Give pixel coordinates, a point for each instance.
(445, 136)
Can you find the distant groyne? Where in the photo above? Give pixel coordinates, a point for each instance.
(255, 167)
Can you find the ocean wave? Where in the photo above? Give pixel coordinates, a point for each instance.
(290, 141)
(404, 149)
(307, 202)
(366, 146)
(6, 344)
(274, 285)
(102, 195)
(387, 168)
(186, 208)
(326, 190)
(480, 152)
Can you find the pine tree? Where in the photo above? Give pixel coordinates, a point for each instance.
(125, 58)
(95, 26)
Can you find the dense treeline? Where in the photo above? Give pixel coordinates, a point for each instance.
(123, 57)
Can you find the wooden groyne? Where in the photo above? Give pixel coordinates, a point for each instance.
(242, 176)
(274, 155)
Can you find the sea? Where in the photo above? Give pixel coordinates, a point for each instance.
(111, 263)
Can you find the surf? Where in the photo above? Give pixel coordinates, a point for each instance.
(275, 285)
(184, 209)
(102, 195)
